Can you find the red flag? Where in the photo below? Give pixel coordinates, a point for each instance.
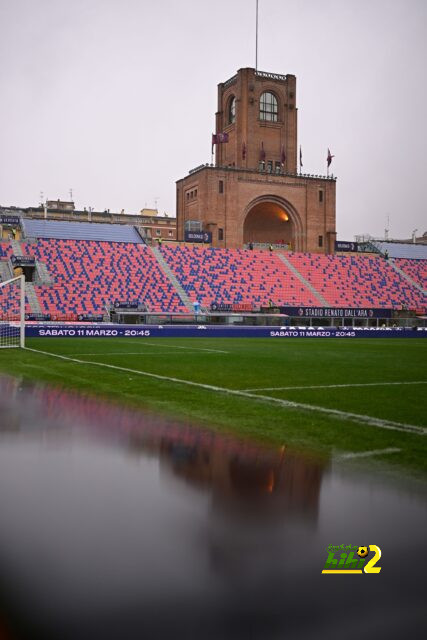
(244, 150)
(283, 155)
(329, 158)
(262, 153)
(219, 138)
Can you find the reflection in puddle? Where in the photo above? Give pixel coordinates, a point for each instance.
(123, 524)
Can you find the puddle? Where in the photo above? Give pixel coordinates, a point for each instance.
(121, 524)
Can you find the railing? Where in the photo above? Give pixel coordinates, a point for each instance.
(263, 171)
(270, 76)
(201, 166)
(267, 245)
(230, 81)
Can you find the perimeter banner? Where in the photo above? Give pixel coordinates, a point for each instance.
(333, 312)
(23, 261)
(11, 220)
(126, 305)
(208, 331)
(351, 247)
(198, 236)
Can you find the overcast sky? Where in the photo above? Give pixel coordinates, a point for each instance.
(116, 98)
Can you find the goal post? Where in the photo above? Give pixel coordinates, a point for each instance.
(12, 313)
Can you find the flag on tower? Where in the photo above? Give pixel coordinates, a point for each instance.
(219, 138)
(329, 158)
(300, 156)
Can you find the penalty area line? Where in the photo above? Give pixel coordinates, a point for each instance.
(133, 353)
(289, 404)
(150, 343)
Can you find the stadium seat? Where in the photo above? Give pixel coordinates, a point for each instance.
(88, 275)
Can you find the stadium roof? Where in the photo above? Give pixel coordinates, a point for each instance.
(402, 250)
(34, 228)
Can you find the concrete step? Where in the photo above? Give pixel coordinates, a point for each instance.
(32, 298)
(5, 271)
(306, 283)
(42, 274)
(165, 267)
(16, 247)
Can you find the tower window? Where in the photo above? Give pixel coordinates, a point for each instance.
(320, 196)
(320, 241)
(220, 234)
(231, 110)
(270, 166)
(268, 108)
(221, 186)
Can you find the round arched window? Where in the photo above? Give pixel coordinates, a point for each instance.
(268, 108)
(232, 110)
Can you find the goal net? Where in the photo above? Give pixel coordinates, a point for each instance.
(12, 312)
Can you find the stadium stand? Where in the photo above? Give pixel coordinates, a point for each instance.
(357, 281)
(6, 250)
(88, 275)
(80, 231)
(235, 275)
(415, 269)
(407, 250)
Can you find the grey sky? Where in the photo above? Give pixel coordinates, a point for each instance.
(116, 98)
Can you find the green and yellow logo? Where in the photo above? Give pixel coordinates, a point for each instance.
(352, 559)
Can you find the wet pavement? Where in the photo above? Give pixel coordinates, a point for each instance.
(121, 524)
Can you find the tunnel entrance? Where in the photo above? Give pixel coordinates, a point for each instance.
(269, 222)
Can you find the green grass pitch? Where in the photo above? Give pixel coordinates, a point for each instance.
(320, 420)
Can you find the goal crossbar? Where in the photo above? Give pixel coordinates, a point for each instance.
(12, 313)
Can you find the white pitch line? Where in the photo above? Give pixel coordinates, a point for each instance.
(366, 454)
(336, 386)
(344, 415)
(129, 353)
(173, 346)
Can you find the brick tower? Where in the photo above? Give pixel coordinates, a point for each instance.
(254, 192)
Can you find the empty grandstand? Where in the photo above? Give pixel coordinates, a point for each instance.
(80, 231)
(83, 269)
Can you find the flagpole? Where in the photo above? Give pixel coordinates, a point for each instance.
(256, 38)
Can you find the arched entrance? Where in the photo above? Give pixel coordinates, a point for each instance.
(270, 219)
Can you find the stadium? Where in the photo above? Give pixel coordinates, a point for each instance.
(198, 410)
